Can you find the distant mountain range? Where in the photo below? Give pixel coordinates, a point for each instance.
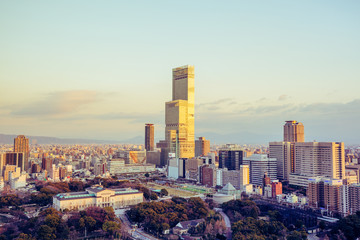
(9, 139)
(215, 138)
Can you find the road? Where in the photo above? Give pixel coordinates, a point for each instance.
(135, 233)
(227, 223)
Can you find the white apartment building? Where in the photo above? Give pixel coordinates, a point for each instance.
(259, 164)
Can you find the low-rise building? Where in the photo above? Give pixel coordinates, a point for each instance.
(99, 197)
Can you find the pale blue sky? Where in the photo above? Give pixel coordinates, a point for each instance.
(101, 69)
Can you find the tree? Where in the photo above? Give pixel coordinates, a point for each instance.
(46, 233)
(87, 222)
(163, 192)
(322, 225)
(111, 227)
(153, 196)
(295, 235)
(52, 220)
(24, 236)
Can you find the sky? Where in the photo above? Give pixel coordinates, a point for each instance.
(102, 69)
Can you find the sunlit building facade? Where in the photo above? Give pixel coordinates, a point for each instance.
(97, 196)
(179, 114)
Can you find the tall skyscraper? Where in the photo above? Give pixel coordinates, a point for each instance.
(21, 144)
(202, 147)
(293, 132)
(149, 137)
(179, 113)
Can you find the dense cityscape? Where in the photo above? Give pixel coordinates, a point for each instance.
(181, 187)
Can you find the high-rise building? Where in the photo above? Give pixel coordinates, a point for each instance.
(179, 114)
(284, 154)
(208, 175)
(202, 147)
(314, 159)
(149, 137)
(21, 144)
(245, 175)
(259, 164)
(46, 164)
(16, 159)
(354, 198)
(325, 193)
(293, 132)
(230, 158)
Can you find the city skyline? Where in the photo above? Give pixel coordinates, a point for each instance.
(104, 70)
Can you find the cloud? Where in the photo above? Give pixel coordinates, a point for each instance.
(58, 103)
(283, 97)
(216, 103)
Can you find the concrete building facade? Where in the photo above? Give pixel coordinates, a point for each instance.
(259, 165)
(97, 196)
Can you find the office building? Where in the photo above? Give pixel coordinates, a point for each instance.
(149, 137)
(354, 198)
(208, 175)
(179, 115)
(16, 159)
(116, 165)
(315, 192)
(153, 157)
(97, 196)
(259, 165)
(314, 159)
(132, 157)
(100, 169)
(46, 164)
(284, 154)
(325, 193)
(202, 147)
(238, 178)
(244, 175)
(332, 194)
(192, 168)
(293, 132)
(21, 144)
(230, 158)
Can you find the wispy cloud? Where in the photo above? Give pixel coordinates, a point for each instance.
(57, 103)
(283, 97)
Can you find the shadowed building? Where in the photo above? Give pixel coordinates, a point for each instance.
(202, 147)
(149, 137)
(21, 144)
